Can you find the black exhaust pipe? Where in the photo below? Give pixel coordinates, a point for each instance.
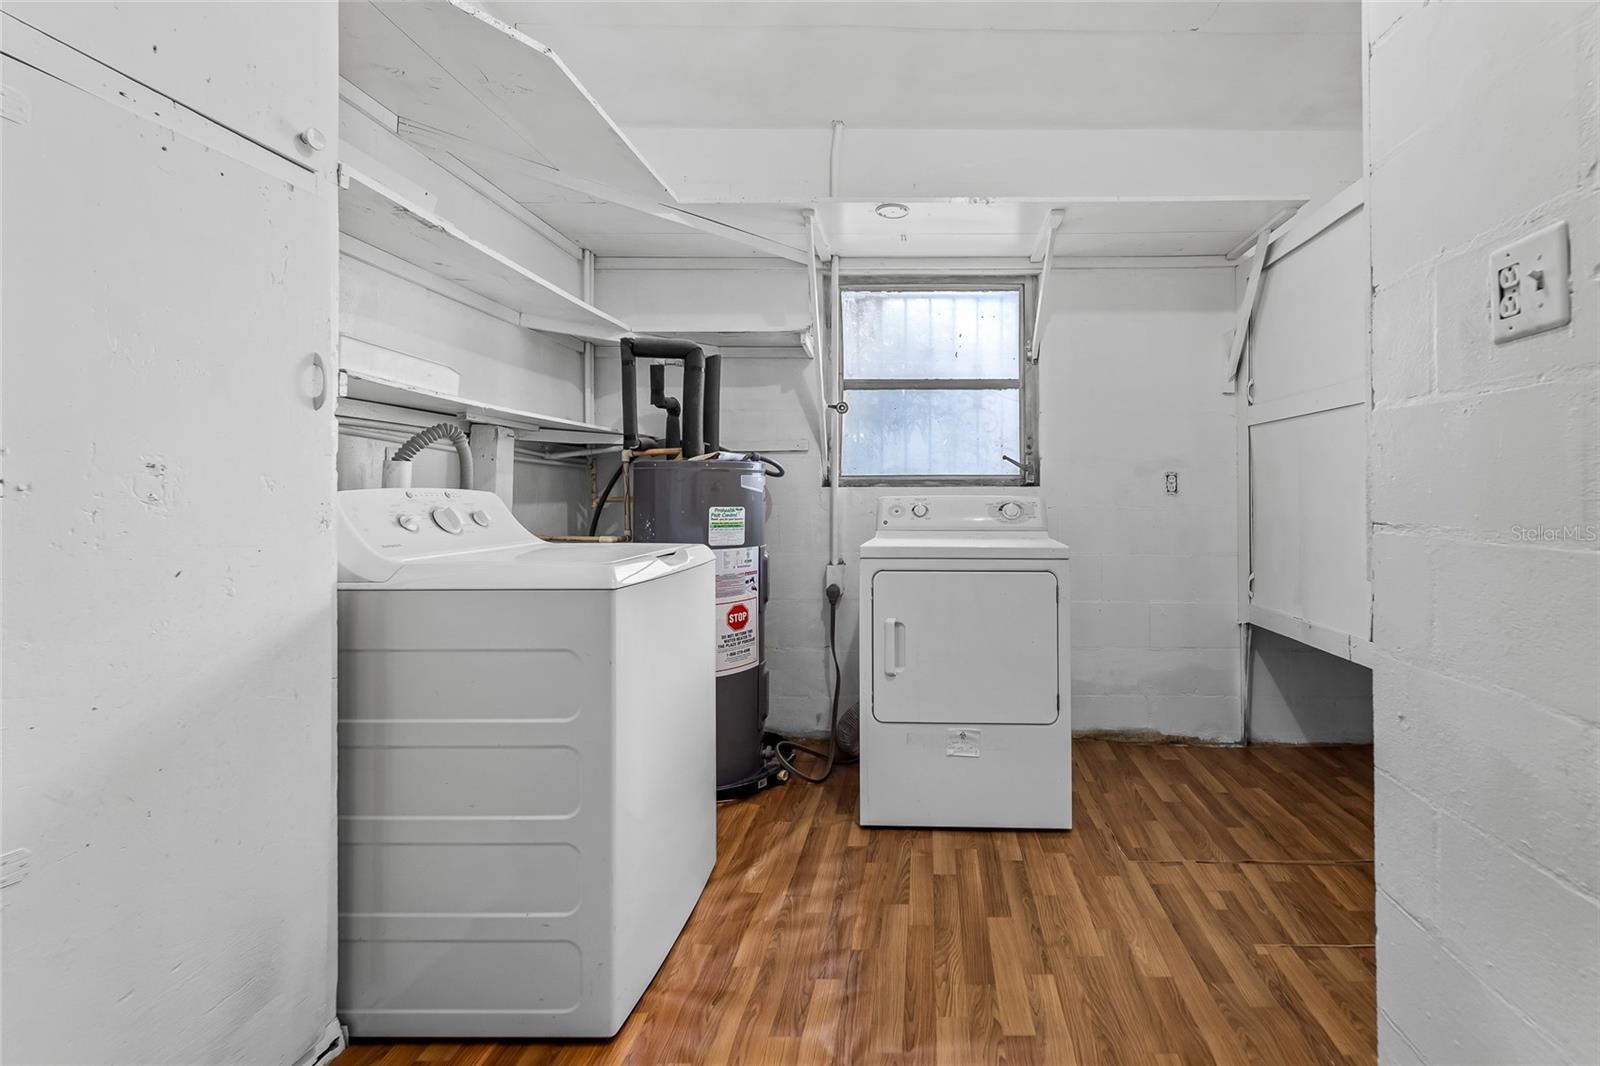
(693, 358)
(669, 404)
(694, 398)
(713, 403)
(630, 398)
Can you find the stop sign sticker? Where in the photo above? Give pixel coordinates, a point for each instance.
(738, 617)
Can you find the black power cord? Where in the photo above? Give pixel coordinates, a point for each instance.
(784, 749)
(605, 498)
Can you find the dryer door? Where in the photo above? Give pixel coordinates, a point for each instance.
(965, 646)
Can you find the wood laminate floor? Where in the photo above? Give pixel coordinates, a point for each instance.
(1212, 905)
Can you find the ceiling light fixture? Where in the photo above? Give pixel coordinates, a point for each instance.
(891, 211)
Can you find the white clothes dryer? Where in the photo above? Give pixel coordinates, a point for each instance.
(965, 666)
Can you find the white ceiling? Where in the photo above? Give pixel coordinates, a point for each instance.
(1120, 65)
(1237, 109)
(1012, 229)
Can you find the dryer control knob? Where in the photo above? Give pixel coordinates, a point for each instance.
(447, 519)
(919, 510)
(1011, 510)
(481, 517)
(409, 523)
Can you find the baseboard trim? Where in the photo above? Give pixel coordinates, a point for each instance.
(1151, 736)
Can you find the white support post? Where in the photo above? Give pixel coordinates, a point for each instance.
(821, 243)
(1044, 243)
(494, 455)
(818, 350)
(1047, 253)
(1247, 308)
(587, 293)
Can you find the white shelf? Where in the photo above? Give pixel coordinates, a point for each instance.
(356, 390)
(768, 344)
(456, 69)
(382, 218)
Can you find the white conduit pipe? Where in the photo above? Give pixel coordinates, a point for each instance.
(833, 158)
(836, 348)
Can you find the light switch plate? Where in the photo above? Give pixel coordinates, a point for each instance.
(1530, 285)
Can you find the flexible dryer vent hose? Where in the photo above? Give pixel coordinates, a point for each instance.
(443, 431)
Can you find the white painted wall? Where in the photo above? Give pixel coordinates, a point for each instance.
(499, 362)
(1302, 695)
(1482, 125)
(168, 564)
(1129, 391)
(1129, 378)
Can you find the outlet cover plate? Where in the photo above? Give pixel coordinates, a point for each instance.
(1530, 285)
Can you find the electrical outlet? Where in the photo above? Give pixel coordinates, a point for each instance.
(1530, 284)
(833, 574)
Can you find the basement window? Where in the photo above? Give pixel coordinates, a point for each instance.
(936, 382)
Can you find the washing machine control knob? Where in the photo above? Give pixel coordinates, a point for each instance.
(1011, 510)
(481, 517)
(409, 523)
(919, 510)
(448, 519)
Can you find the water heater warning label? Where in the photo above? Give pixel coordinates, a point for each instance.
(738, 604)
(738, 636)
(726, 526)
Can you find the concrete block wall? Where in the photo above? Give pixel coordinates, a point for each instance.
(1128, 391)
(1481, 126)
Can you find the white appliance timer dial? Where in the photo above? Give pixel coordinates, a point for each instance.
(447, 519)
(481, 517)
(1011, 510)
(409, 523)
(919, 510)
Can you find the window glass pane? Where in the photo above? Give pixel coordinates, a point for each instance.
(909, 334)
(930, 432)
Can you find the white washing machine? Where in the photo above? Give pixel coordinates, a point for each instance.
(965, 666)
(527, 768)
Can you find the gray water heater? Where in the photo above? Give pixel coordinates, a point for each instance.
(719, 499)
(720, 503)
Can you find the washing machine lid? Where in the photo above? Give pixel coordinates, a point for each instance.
(546, 566)
(465, 539)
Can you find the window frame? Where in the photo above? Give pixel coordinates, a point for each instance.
(1025, 383)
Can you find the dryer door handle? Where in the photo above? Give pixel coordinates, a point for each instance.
(894, 646)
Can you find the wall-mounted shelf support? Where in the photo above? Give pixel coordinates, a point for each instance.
(1045, 251)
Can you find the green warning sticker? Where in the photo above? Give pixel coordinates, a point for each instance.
(725, 526)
